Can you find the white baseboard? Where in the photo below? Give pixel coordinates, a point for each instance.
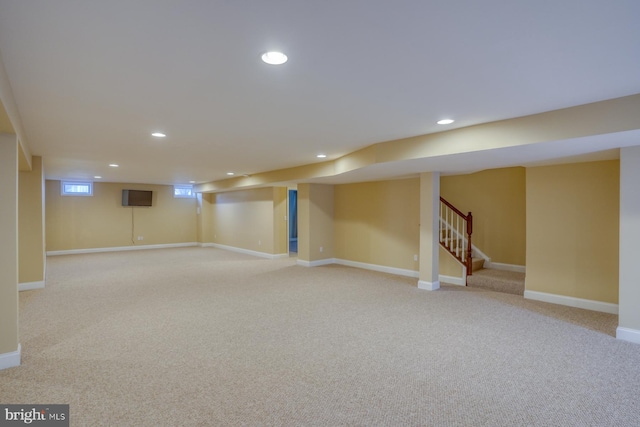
(451, 280)
(380, 268)
(10, 360)
(627, 334)
(246, 251)
(121, 248)
(428, 286)
(506, 267)
(316, 263)
(587, 304)
(29, 286)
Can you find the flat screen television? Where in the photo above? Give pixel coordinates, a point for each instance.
(136, 197)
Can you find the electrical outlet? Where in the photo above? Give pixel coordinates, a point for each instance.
(259, 242)
(140, 237)
(415, 257)
(321, 248)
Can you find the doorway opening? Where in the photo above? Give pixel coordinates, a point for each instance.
(293, 221)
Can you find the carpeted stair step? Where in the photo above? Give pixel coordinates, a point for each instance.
(477, 264)
(498, 280)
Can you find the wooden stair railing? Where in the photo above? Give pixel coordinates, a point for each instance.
(455, 233)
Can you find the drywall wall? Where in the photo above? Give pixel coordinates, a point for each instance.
(449, 266)
(246, 219)
(378, 223)
(100, 221)
(31, 223)
(497, 200)
(315, 222)
(280, 220)
(205, 218)
(572, 230)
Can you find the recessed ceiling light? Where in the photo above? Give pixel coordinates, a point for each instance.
(445, 121)
(230, 173)
(192, 182)
(113, 165)
(274, 58)
(158, 134)
(97, 177)
(321, 156)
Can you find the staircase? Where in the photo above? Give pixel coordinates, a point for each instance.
(455, 236)
(509, 282)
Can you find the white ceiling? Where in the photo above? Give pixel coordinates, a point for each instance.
(93, 79)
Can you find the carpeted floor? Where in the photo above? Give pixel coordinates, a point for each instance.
(204, 337)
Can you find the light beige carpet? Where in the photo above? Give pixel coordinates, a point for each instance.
(204, 337)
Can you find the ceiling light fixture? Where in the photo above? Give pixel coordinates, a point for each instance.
(97, 177)
(230, 173)
(321, 156)
(445, 121)
(113, 165)
(158, 134)
(192, 182)
(274, 58)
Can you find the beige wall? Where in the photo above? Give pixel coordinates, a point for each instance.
(572, 230)
(100, 221)
(280, 220)
(378, 223)
(449, 265)
(31, 223)
(497, 200)
(9, 244)
(250, 219)
(315, 222)
(205, 218)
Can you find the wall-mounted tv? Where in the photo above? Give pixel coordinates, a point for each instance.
(136, 197)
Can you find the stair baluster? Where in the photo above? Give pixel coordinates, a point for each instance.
(455, 233)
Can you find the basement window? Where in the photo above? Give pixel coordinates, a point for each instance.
(74, 188)
(183, 191)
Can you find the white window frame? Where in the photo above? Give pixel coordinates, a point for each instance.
(64, 184)
(191, 194)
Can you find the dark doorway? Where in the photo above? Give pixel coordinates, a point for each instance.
(293, 221)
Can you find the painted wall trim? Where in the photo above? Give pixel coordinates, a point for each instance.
(29, 286)
(10, 360)
(604, 307)
(247, 251)
(316, 263)
(626, 334)
(451, 280)
(428, 286)
(377, 267)
(120, 248)
(506, 267)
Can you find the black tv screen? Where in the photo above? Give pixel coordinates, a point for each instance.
(136, 197)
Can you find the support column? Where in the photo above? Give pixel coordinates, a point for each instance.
(9, 346)
(629, 278)
(32, 258)
(429, 217)
(315, 224)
